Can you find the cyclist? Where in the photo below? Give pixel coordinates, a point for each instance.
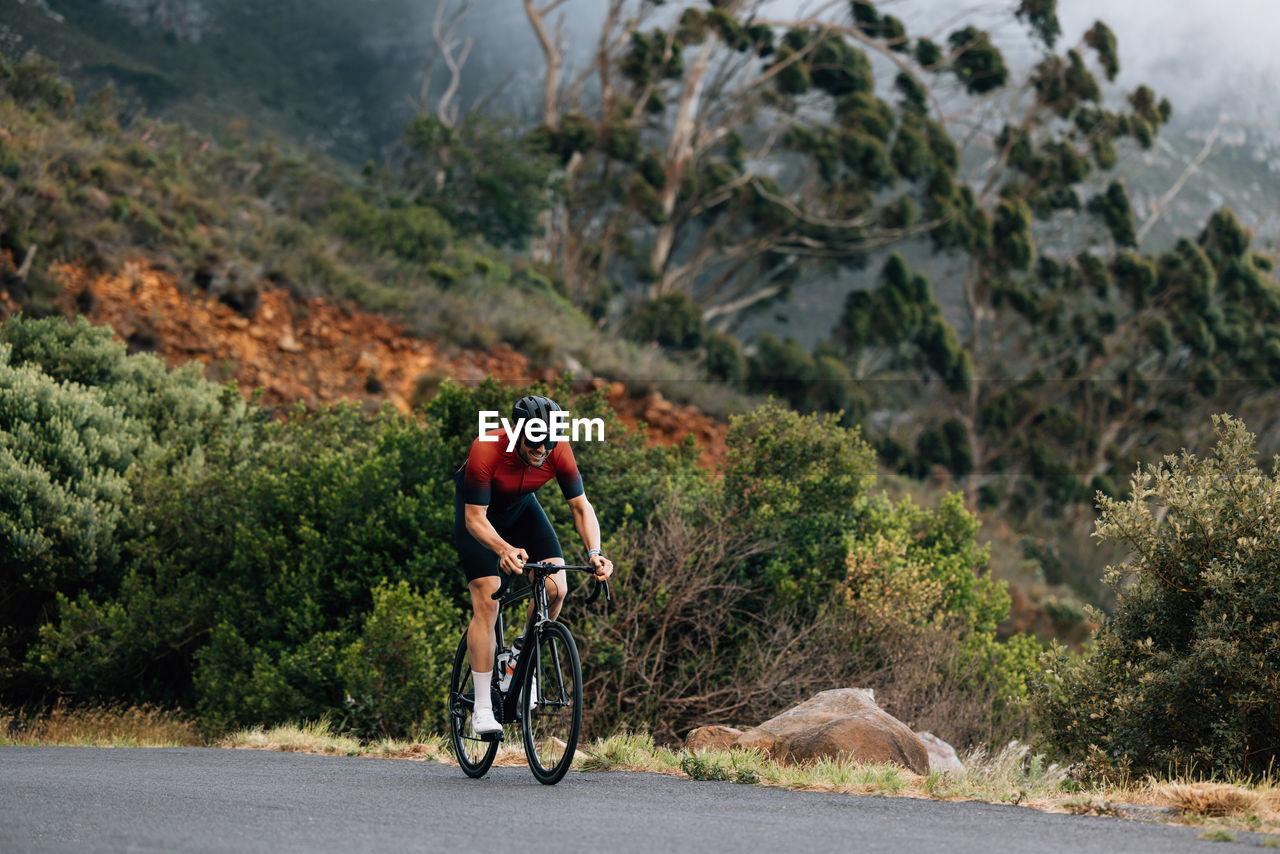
(499, 525)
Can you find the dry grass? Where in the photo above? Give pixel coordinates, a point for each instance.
(1219, 800)
(100, 726)
(321, 737)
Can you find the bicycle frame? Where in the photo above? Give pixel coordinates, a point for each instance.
(538, 573)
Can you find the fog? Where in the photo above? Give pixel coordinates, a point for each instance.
(1205, 55)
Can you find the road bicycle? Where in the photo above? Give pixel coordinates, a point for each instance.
(537, 682)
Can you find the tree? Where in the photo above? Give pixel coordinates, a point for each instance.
(723, 155)
(1185, 675)
(477, 170)
(1065, 353)
(1086, 364)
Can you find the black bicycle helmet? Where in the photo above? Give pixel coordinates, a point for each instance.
(535, 407)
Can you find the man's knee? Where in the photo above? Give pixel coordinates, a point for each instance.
(482, 601)
(556, 591)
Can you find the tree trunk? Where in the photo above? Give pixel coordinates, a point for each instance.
(679, 153)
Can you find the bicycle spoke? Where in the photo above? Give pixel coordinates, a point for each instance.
(474, 754)
(553, 705)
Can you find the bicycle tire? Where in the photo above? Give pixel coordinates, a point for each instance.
(550, 726)
(474, 754)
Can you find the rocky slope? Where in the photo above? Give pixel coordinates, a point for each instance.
(317, 352)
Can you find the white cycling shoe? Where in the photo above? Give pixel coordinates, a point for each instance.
(484, 723)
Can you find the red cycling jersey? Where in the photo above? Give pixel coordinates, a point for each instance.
(492, 473)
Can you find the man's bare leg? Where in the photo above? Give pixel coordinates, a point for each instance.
(484, 614)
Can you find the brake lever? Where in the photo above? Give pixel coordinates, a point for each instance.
(595, 592)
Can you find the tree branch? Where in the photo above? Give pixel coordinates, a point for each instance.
(1160, 205)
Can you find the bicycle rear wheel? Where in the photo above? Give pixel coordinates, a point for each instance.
(474, 754)
(551, 704)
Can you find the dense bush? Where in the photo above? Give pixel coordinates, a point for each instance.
(810, 383)
(270, 570)
(674, 321)
(724, 359)
(64, 459)
(787, 577)
(394, 675)
(1186, 676)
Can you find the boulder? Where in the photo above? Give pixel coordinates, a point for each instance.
(841, 722)
(942, 756)
(712, 738)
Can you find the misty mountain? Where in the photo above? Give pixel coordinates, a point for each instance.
(343, 76)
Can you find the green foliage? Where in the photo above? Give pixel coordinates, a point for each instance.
(1011, 234)
(34, 83)
(799, 478)
(80, 420)
(484, 176)
(1103, 41)
(724, 360)
(978, 64)
(1183, 677)
(909, 569)
(412, 233)
(809, 383)
(65, 455)
(393, 675)
(1042, 17)
(672, 320)
(1113, 206)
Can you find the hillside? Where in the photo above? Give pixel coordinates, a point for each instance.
(317, 352)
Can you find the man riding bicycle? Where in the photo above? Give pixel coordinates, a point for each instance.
(498, 525)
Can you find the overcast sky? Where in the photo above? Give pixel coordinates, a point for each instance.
(1194, 51)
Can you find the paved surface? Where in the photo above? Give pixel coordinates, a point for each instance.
(85, 799)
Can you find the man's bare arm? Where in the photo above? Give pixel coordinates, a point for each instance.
(510, 558)
(584, 519)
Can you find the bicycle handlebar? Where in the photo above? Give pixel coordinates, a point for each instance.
(545, 569)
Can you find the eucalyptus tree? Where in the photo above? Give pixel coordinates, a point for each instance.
(1065, 355)
(711, 150)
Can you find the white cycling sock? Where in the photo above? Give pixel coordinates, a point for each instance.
(482, 681)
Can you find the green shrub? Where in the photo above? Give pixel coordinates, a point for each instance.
(415, 233)
(724, 360)
(65, 456)
(396, 676)
(797, 482)
(913, 571)
(782, 368)
(673, 320)
(1185, 677)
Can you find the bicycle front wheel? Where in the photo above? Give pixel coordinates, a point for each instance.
(551, 704)
(474, 753)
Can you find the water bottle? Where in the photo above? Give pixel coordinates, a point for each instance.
(506, 669)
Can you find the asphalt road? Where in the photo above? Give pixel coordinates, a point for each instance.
(55, 799)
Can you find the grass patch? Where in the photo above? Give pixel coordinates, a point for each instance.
(322, 737)
(627, 751)
(1220, 800)
(1217, 835)
(100, 726)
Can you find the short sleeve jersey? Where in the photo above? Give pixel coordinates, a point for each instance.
(494, 476)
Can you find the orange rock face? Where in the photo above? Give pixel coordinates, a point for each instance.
(319, 352)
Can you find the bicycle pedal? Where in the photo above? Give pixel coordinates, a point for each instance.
(492, 736)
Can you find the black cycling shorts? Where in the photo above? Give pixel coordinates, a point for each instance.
(523, 524)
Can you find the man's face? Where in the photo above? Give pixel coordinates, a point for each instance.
(534, 455)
